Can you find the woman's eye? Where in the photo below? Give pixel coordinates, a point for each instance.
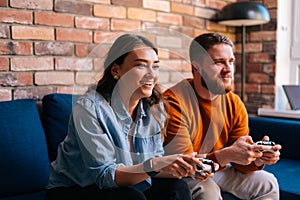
(141, 65)
(155, 66)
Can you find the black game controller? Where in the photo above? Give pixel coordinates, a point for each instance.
(206, 167)
(266, 143)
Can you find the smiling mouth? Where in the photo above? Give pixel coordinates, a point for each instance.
(147, 83)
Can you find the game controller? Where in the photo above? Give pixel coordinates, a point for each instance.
(266, 143)
(206, 167)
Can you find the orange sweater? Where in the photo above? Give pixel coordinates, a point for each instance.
(204, 126)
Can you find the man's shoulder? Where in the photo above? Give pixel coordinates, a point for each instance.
(234, 101)
(180, 88)
(233, 97)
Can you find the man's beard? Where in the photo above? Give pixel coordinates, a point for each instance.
(215, 86)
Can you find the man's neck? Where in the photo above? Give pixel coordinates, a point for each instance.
(203, 92)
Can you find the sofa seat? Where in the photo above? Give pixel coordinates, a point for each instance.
(287, 170)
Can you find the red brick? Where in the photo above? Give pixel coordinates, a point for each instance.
(54, 77)
(5, 94)
(31, 63)
(4, 64)
(109, 11)
(215, 4)
(254, 88)
(249, 47)
(16, 48)
(34, 33)
(270, 3)
(260, 58)
(73, 35)
(193, 22)
(169, 18)
(182, 8)
(74, 7)
(78, 64)
(32, 4)
(159, 5)
(212, 26)
(253, 67)
(128, 3)
(263, 36)
(268, 89)
(81, 50)
(16, 79)
(92, 23)
(205, 13)
(12, 16)
(75, 89)
(54, 48)
(199, 3)
(141, 14)
(87, 78)
(125, 25)
(33, 92)
(4, 31)
(269, 68)
(53, 19)
(258, 78)
(3, 3)
(103, 37)
(86, 50)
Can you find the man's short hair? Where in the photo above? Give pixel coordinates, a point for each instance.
(200, 44)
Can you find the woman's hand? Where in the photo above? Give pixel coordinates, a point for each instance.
(177, 165)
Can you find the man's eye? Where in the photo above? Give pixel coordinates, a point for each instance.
(218, 62)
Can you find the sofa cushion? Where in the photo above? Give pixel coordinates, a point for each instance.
(287, 173)
(281, 131)
(56, 110)
(24, 163)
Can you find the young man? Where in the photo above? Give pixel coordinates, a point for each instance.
(208, 118)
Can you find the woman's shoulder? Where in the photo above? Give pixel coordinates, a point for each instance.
(91, 98)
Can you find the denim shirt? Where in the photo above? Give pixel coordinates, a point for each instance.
(97, 142)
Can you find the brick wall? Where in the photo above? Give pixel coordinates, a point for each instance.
(260, 61)
(58, 46)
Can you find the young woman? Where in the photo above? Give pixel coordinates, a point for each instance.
(114, 147)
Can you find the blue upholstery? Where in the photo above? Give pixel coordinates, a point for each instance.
(287, 170)
(283, 131)
(56, 111)
(24, 164)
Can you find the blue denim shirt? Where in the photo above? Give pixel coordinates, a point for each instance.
(97, 142)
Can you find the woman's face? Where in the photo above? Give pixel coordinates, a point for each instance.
(138, 73)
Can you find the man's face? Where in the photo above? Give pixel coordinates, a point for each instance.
(217, 71)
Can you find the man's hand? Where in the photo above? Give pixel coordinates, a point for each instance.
(268, 157)
(242, 152)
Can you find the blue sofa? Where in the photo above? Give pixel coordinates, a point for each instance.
(30, 133)
(287, 133)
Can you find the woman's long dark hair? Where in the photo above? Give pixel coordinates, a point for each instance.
(116, 55)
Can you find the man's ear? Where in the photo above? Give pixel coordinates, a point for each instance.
(196, 67)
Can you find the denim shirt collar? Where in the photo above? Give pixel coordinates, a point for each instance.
(120, 110)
